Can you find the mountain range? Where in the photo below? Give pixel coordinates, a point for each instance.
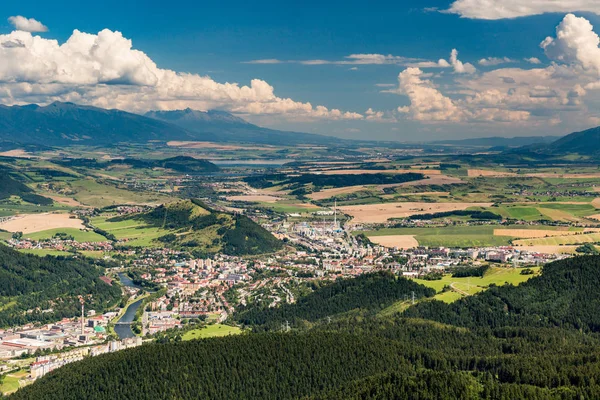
(498, 141)
(60, 124)
(221, 126)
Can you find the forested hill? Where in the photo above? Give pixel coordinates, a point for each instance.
(12, 187)
(368, 292)
(567, 294)
(29, 282)
(200, 229)
(367, 355)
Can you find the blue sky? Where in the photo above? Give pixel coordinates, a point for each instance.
(219, 40)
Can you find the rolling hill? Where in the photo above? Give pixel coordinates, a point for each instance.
(12, 187)
(192, 225)
(585, 143)
(497, 141)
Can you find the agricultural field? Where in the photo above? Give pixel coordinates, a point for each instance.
(30, 223)
(92, 193)
(46, 252)
(451, 236)
(77, 234)
(380, 213)
(216, 330)
(467, 236)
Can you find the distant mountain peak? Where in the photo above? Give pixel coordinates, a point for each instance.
(191, 115)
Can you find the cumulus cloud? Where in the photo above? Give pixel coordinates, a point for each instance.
(104, 70)
(575, 42)
(459, 66)
(27, 24)
(427, 103)
(501, 9)
(493, 61)
(539, 96)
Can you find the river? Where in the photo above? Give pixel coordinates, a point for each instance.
(123, 327)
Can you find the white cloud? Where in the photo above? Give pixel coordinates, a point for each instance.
(104, 70)
(493, 61)
(575, 42)
(264, 61)
(459, 66)
(362, 59)
(454, 63)
(427, 103)
(501, 9)
(533, 60)
(27, 24)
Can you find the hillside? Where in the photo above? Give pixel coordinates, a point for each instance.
(192, 225)
(371, 292)
(585, 143)
(567, 294)
(497, 141)
(28, 282)
(366, 356)
(182, 164)
(221, 126)
(11, 187)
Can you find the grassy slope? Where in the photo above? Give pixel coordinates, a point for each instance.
(495, 275)
(215, 330)
(78, 235)
(95, 194)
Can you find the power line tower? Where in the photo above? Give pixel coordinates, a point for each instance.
(82, 302)
(413, 297)
(286, 327)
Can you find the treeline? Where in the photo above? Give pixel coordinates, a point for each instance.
(341, 180)
(371, 292)
(465, 272)
(479, 215)
(30, 284)
(179, 163)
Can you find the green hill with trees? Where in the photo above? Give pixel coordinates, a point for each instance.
(535, 341)
(36, 289)
(9, 186)
(194, 226)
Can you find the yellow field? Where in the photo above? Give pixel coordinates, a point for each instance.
(29, 223)
(548, 249)
(255, 198)
(560, 240)
(377, 171)
(492, 174)
(398, 241)
(379, 213)
(531, 233)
